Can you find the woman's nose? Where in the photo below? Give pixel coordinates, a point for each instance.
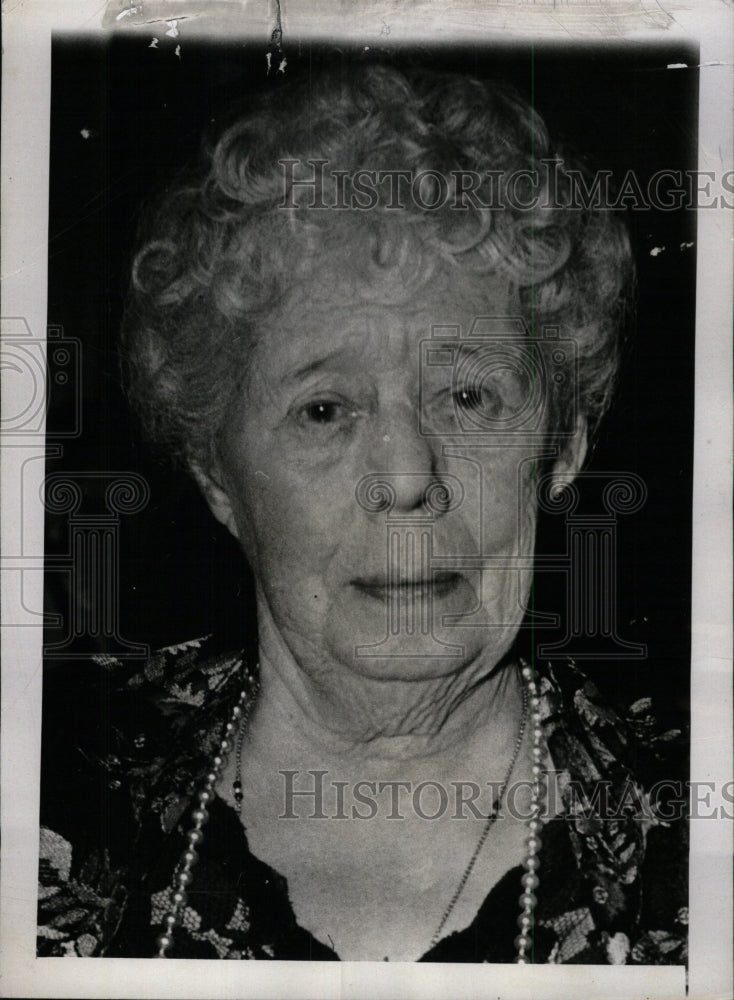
(409, 460)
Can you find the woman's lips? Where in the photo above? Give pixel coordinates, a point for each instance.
(379, 587)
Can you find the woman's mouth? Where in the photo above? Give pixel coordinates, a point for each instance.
(381, 587)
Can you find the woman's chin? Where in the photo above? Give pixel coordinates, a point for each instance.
(400, 634)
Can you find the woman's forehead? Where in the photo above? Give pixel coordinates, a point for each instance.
(330, 318)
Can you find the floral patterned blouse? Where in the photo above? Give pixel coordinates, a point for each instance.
(125, 753)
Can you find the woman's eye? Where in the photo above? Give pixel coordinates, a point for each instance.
(478, 399)
(325, 415)
(323, 412)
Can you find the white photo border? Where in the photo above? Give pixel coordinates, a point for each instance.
(25, 158)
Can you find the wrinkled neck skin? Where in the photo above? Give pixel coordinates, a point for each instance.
(354, 719)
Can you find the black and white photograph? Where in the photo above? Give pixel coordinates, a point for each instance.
(368, 604)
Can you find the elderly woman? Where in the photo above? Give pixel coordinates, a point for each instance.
(372, 332)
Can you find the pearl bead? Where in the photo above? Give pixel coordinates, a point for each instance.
(534, 825)
(190, 857)
(164, 941)
(533, 844)
(528, 900)
(184, 878)
(217, 762)
(170, 920)
(200, 816)
(195, 837)
(179, 897)
(530, 880)
(237, 711)
(525, 922)
(223, 746)
(205, 797)
(531, 863)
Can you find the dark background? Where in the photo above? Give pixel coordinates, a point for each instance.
(143, 111)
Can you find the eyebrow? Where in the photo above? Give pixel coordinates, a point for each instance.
(316, 365)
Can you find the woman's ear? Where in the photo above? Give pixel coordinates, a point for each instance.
(568, 465)
(216, 497)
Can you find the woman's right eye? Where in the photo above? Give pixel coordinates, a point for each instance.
(324, 417)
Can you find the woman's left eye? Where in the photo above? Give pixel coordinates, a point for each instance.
(479, 399)
(324, 411)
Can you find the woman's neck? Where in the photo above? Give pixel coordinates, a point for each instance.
(337, 715)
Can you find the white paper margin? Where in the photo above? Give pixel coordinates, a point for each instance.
(25, 151)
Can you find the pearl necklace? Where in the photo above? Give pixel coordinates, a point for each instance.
(238, 723)
(489, 822)
(182, 876)
(531, 863)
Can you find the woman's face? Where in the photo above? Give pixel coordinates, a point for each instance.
(340, 397)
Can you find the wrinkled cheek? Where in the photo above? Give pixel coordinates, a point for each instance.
(293, 566)
(509, 536)
(257, 518)
(528, 504)
(290, 574)
(298, 604)
(505, 595)
(527, 525)
(497, 509)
